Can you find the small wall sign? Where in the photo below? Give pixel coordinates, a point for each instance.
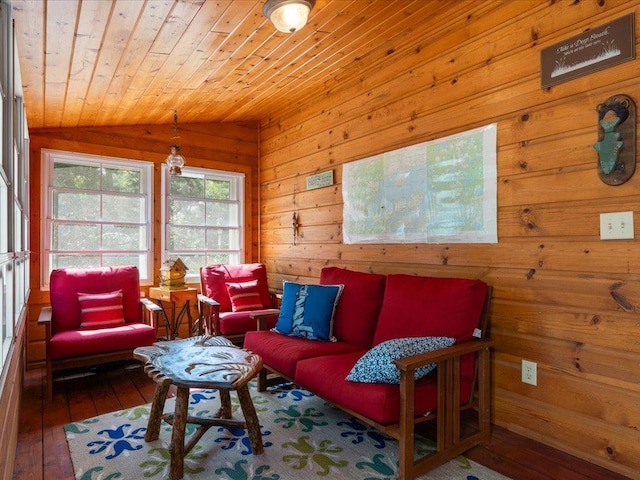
(593, 50)
(320, 180)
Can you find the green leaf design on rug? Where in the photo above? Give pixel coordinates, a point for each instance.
(159, 462)
(379, 466)
(309, 454)
(134, 413)
(240, 473)
(73, 428)
(88, 475)
(293, 416)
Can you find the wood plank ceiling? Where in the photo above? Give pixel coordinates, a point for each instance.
(127, 62)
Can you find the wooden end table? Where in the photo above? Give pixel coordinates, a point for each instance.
(199, 362)
(187, 296)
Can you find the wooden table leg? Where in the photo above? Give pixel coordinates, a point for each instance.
(251, 419)
(176, 447)
(225, 404)
(157, 407)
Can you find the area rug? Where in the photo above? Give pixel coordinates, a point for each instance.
(304, 438)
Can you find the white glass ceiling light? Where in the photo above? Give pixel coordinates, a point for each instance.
(175, 160)
(288, 15)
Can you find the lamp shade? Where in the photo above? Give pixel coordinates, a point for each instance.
(288, 15)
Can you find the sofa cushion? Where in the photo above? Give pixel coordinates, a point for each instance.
(244, 296)
(101, 310)
(65, 283)
(307, 310)
(325, 376)
(428, 306)
(214, 278)
(376, 366)
(359, 306)
(282, 352)
(74, 343)
(241, 322)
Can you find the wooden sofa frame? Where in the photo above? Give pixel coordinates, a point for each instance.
(450, 439)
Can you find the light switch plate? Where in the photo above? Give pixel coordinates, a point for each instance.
(616, 226)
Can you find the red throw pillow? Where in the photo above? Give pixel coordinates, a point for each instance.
(101, 310)
(244, 296)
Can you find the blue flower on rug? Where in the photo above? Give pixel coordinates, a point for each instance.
(289, 391)
(359, 430)
(118, 440)
(197, 397)
(239, 436)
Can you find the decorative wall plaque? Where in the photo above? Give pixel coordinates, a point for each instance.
(616, 145)
(595, 49)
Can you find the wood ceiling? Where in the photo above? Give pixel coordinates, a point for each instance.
(126, 62)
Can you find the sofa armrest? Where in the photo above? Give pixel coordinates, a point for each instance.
(437, 356)
(45, 316)
(150, 312)
(262, 317)
(209, 310)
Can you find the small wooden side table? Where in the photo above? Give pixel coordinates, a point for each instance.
(186, 295)
(199, 362)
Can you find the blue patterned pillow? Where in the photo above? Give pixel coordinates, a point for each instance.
(376, 366)
(307, 310)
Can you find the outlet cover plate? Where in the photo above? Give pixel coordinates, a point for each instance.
(530, 372)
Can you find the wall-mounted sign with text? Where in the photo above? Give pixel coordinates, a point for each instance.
(595, 49)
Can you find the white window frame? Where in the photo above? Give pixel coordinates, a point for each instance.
(193, 274)
(48, 159)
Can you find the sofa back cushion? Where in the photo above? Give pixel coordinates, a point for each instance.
(359, 305)
(214, 279)
(66, 283)
(428, 306)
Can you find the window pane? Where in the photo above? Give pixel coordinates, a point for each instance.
(74, 261)
(69, 175)
(122, 180)
(186, 212)
(118, 208)
(218, 239)
(186, 238)
(73, 236)
(76, 206)
(222, 214)
(140, 261)
(222, 258)
(218, 189)
(123, 237)
(185, 186)
(193, 262)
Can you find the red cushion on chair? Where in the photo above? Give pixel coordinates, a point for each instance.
(101, 310)
(214, 278)
(65, 283)
(244, 296)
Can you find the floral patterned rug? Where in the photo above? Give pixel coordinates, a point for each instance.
(304, 438)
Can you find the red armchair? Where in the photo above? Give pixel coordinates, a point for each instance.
(96, 316)
(233, 298)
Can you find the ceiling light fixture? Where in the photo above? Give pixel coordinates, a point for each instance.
(288, 15)
(175, 160)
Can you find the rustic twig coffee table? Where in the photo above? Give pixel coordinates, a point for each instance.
(199, 362)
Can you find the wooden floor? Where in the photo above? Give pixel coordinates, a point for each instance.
(43, 453)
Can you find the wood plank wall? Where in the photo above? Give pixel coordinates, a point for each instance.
(229, 146)
(562, 297)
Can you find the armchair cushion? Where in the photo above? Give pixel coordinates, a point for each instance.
(101, 310)
(307, 310)
(244, 296)
(214, 278)
(376, 366)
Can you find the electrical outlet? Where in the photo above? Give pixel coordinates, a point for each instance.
(530, 372)
(618, 225)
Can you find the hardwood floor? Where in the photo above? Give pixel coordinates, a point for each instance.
(43, 453)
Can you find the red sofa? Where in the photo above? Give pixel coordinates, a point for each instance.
(371, 310)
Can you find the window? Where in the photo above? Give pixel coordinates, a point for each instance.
(204, 221)
(97, 212)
